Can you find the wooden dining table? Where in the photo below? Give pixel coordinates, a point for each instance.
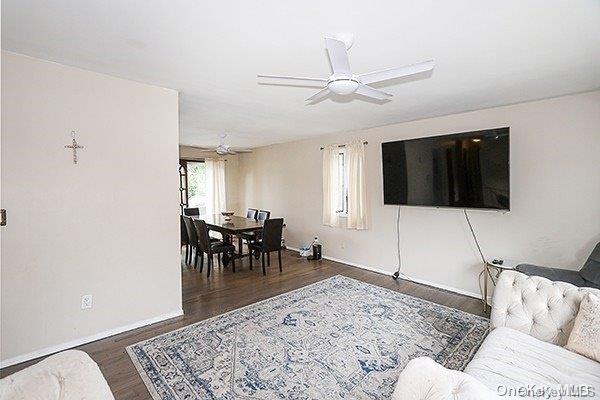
(229, 228)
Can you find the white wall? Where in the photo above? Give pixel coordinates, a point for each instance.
(555, 197)
(108, 226)
(231, 173)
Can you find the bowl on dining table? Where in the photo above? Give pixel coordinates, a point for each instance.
(227, 215)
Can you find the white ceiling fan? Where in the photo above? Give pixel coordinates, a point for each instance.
(224, 149)
(344, 82)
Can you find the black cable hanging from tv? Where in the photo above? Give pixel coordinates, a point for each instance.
(397, 273)
(482, 273)
(474, 235)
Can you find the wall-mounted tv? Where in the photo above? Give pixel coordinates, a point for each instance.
(464, 170)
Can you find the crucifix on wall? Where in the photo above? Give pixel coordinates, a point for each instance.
(74, 146)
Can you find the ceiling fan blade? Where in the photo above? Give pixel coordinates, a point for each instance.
(338, 55)
(372, 93)
(298, 79)
(243, 150)
(397, 72)
(319, 95)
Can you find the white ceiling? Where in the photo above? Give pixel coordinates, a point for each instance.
(487, 53)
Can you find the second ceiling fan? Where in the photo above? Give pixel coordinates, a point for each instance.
(344, 82)
(224, 149)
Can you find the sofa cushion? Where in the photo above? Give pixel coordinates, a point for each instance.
(514, 359)
(70, 375)
(585, 336)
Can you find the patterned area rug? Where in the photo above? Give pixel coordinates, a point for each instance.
(336, 339)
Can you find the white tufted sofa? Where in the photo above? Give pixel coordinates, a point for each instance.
(531, 320)
(70, 375)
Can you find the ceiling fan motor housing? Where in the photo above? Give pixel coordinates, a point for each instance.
(343, 85)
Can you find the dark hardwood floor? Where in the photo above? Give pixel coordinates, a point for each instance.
(224, 291)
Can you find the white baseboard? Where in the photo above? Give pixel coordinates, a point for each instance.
(403, 276)
(443, 287)
(87, 339)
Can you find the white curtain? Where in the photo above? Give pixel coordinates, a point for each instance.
(215, 186)
(330, 176)
(357, 186)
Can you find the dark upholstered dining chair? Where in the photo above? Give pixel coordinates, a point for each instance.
(205, 245)
(263, 215)
(270, 241)
(192, 239)
(251, 213)
(250, 237)
(191, 211)
(185, 241)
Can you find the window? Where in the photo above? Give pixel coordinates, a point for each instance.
(197, 186)
(341, 186)
(344, 185)
(193, 185)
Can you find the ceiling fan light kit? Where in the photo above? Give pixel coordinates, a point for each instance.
(343, 81)
(343, 86)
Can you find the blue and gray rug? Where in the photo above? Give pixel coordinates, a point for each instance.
(336, 339)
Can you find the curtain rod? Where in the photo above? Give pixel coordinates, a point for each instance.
(343, 145)
(202, 159)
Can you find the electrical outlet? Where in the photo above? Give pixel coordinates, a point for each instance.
(86, 301)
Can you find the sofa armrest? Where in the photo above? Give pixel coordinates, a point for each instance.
(70, 375)
(536, 306)
(424, 379)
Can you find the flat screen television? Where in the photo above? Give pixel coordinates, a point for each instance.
(463, 170)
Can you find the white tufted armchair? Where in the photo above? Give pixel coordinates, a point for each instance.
(531, 320)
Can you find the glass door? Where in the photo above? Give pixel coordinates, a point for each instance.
(192, 186)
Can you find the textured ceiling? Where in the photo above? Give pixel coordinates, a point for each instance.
(487, 53)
